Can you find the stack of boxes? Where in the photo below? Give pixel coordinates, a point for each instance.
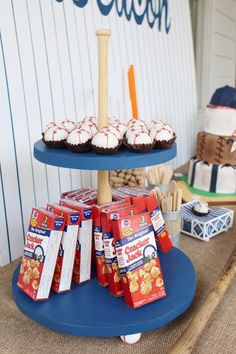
(122, 238)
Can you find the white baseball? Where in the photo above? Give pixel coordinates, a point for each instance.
(131, 338)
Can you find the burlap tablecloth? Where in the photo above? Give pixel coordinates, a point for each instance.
(18, 334)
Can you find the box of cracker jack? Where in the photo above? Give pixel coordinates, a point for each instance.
(83, 256)
(98, 239)
(74, 193)
(66, 257)
(113, 275)
(163, 240)
(40, 253)
(138, 261)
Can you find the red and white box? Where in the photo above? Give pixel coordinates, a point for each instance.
(66, 257)
(40, 253)
(113, 275)
(98, 240)
(89, 198)
(117, 195)
(134, 191)
(138, 262)
(135, 194)
(83, 255)
(163, 240)
(71, 194)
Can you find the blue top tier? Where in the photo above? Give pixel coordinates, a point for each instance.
(123, 159)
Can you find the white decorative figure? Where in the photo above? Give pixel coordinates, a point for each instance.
(131, 338)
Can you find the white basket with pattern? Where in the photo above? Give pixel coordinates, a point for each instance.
(205, 227)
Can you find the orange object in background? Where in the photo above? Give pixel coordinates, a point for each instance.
(132, 92)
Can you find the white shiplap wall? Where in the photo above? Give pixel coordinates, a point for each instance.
(216, 49)
(48, 71)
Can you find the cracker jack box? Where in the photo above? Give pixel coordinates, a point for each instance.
(89, 198)
(163, 240)
(135, 194)
(66, 257)
(113, 275)
(138, 261)
(83, 255)
(134, 191)
(71, 194)
(117, 195)
(40, 253)
(98, 240)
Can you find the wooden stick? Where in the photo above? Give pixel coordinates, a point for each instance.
(167, 175)
(152, 176)
(174, 200)
(188, 339)
(172, 186)
(178, 199)
(171, 203)
(160, 173)
(157, 175)
(104, 188)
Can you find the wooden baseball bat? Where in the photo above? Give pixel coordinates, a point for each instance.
(104, 188)
(188, 339)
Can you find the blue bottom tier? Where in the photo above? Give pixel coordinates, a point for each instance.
(89, 309)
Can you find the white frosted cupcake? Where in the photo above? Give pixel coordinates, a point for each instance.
(105, 142)
(55, 137)
(79, 140)
(136, 122)
(54, 125)
(113, 120)
(69, 125)
(115, 130)
(139, 141)
(122, 127)
(135, 129)
(89, 126)
(89, 119)
(155, 124)
(164, 137)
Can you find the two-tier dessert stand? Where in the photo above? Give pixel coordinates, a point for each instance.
(89, 309)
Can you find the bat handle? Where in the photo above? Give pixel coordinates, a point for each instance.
(103, 39)
(104, 188)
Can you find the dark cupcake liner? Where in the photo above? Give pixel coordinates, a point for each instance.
(54, 144)
(80, 147)
(199, 214)
(106, 151)
(138, 147)
(165, 144)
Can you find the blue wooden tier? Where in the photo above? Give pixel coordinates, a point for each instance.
(123, 159)
(89, 309)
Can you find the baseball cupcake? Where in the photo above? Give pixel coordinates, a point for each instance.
(115, 130)
(139, 141)
(79, 140)
(69, 125)
(121, 127)
(55, 137)
(105, 142)
(89, 126)
(54, 125)
(163, 136)
(136, 123)
(155, 124)
(89, 119)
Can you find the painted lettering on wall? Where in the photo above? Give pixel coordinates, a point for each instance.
(155, 11)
